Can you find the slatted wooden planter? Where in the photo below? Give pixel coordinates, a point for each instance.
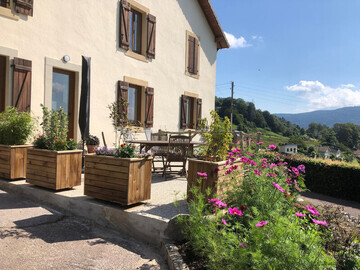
(13, 161)
(215, 176)
(54, 169)
(121, 180)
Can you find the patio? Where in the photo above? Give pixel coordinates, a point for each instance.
(147, 221)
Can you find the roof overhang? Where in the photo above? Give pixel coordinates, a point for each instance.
(214, 23)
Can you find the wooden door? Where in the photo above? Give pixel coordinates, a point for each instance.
(63, 95)
(2, 82)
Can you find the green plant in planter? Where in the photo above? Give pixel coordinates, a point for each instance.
(218, 139)
(15, 127)
(55, 128)
(92, 140)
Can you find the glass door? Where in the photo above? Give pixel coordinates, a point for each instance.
(63, 94)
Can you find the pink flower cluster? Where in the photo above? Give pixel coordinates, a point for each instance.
(217, 202)
(271, 146)
(261, 223)
(248, 161)
(300, 214)
(324, 223)
(257, 172)
(312, 210)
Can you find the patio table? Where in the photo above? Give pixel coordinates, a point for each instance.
(149, 144)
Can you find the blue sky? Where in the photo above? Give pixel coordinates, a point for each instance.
(290, 56)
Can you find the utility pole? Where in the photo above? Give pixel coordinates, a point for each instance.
(232, 103)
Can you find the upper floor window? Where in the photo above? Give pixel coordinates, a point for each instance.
(137, 30)
(192, 55)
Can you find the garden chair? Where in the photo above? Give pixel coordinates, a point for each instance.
(176, 154)
(158, 152)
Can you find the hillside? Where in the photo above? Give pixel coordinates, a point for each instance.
(325, 117)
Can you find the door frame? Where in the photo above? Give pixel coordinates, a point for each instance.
(50, 64)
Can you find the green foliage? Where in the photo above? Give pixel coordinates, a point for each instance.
(15, 127)
(55, 128)
(123, 151)
(218, 138)
(264, 232)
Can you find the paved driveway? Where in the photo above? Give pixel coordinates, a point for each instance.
(35, 237)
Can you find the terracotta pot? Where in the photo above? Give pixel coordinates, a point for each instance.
(91, 148)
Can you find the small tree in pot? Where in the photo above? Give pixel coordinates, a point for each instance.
(92, 143)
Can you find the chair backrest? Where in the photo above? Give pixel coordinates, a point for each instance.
(175, 151)
(159, 136)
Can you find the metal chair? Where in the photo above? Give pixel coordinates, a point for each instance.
(158, 152)
(177, 152)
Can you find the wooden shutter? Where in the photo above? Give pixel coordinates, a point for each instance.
(183, 112)
(123, 92)
(124, 37)
(149, 107)
(21, 94)
(196, 56)
(191, 53)
(198, 112)
(24, 6)
(151, 34)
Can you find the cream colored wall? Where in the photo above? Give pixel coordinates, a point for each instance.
(90, 28)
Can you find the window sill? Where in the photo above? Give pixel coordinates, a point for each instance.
(136, 56)
(6, 12)
(195, 76)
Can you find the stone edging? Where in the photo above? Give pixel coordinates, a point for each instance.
(171, 253)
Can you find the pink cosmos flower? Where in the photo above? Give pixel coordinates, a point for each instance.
(261, 223)
(223, 221)
(249, 154)
(324, 223)
(202, 174)
(260, 143)
(312, 210)
(263, 160)
(271, 146)
(295, 171)
(273, 165)
(301, 168)
(243, 245)
(300, 214)
(257, 172)
(264, 165)
(217, 202)
(235, 211)
(278, 187)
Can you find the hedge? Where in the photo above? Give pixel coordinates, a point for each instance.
(333, 178)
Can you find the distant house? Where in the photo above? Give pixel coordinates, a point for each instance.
(357, 153)
(288, 148)
(326, 151)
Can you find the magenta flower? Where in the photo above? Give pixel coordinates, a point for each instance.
(264, 165)
(273, 165)
(324, 223)
(301, 168)
(235, 211)
(312, 210)
(249, 154)
(263, 160)
(261, 223)
(217, 203)
(223, 221)
(278, 187)
(270, 175)
(202, 174)
(300, 214)
(260, 143)
(257, 172)
(243, 245)
(295, 171)
(271, 146)
(216, 170)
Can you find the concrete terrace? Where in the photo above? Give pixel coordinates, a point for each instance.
(149, 221)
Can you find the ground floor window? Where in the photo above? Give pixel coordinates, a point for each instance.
(5, 3)
(190, 112)
(134, 101)
(2, 82)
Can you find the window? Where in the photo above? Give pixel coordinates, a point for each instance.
(5, 3)
(192, 55)
(190, 112)
(140, 99)
(137, 30)
(3, 74)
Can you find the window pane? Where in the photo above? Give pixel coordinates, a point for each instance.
(60, 91)
(132, 100)
(5, 3)
(135, 31)
(131, 30)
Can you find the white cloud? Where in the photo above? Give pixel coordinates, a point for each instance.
(57, 87)
(259, 38)
(237, 42)
(321, 96)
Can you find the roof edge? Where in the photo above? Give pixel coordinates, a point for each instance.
(220, 38)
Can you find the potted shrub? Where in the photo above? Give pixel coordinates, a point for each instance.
(92, 143)
(53, 162)
(118, 175)
(211, 161)
(15, 130)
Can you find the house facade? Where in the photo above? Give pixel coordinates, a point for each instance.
(160, 57)
(288, 148)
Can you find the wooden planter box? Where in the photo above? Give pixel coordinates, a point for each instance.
(13, 161)
(214, 179)
(54, 169)
(121, 180)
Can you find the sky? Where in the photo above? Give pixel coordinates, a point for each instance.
(290, 56)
